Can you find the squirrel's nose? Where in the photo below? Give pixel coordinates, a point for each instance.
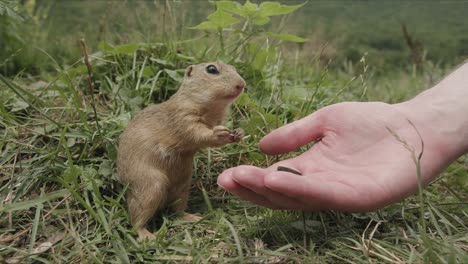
(240, 86)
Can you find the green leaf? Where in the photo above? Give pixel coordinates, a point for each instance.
(105, 169)
(111, 149)
(260, 20)
(176, 76)
(19, 105)
(288, 37)
(222, 19)
(207, 25)
(250, 8)
(127, 49)
(9, 9)
(147, 72)
(274, 8)
(217, 20)
(245, 100)
(166, 63)
(231, 7)
(71, 142)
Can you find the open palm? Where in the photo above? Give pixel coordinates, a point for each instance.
(365, 159)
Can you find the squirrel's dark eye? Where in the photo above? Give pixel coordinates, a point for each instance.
(211, 69)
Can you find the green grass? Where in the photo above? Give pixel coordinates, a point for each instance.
(60, 201)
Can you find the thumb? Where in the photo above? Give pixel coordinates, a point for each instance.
(293, 135)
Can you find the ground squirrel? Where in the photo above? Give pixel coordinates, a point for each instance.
(156, 150)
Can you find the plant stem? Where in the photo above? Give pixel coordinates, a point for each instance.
(221, 40)
(90, 83)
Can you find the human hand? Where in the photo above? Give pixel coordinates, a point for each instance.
(358, 165)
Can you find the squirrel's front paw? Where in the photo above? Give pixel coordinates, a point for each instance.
(222, 135)
(236, 134)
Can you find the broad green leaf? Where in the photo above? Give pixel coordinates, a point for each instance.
(231, 7)
(174, 75)
(205, 26)
(222, 19)
(274, 8)
(288, 37)
(147, 72)
(217, 20)
(260, 20)
(249, 7)
(5, 10)
(127, 49)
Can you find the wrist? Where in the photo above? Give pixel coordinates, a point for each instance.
(442, 112)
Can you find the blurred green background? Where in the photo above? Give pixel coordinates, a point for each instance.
(340, 31)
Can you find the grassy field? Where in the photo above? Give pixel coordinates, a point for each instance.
(60, 201)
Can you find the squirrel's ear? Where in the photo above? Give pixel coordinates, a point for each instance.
(188, 71)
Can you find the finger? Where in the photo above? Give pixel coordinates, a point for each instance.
(293, 135)
(315, 191)
(251, 178)
(300, 201)
(226, 182)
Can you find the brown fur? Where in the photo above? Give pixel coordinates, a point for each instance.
(156, 149)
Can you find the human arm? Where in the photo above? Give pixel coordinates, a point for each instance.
(359, 165)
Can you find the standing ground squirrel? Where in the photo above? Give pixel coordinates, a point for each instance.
(156, 150)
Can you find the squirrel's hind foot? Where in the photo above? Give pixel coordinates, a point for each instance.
(145, 235)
